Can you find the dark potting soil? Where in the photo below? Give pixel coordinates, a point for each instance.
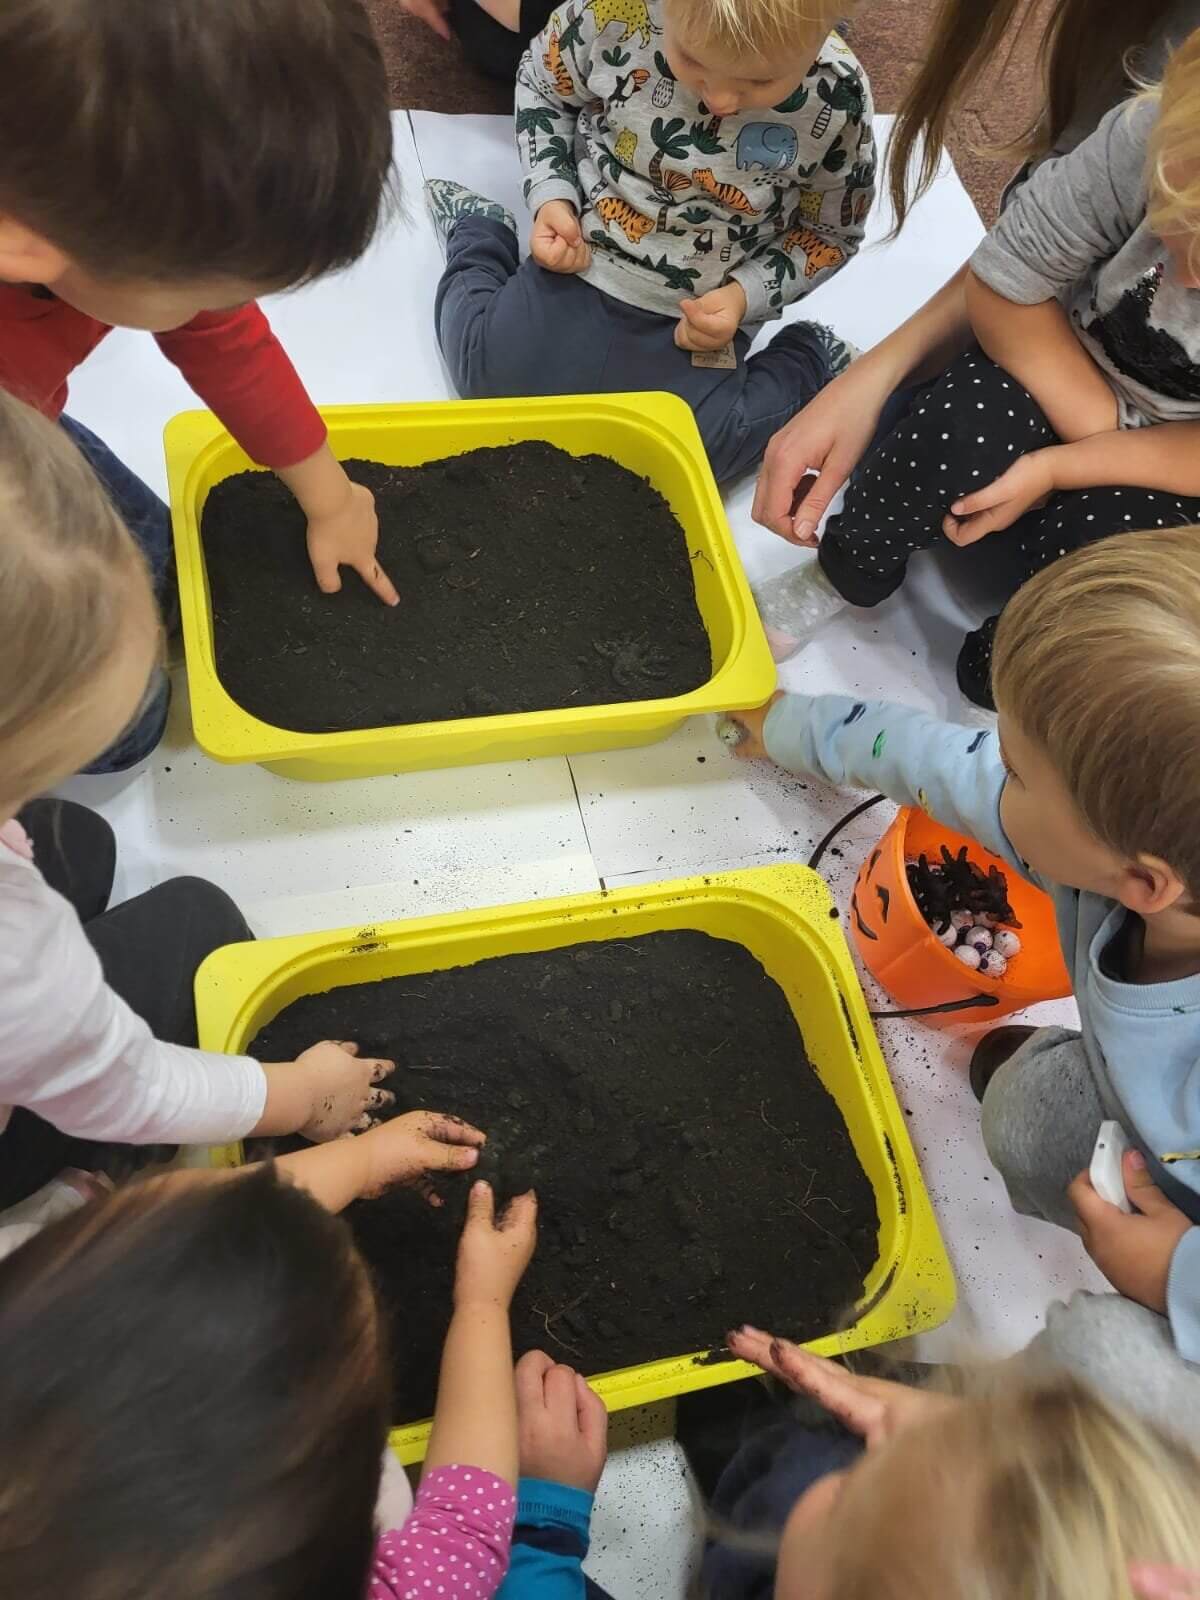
(692, 1172)
(529, 580)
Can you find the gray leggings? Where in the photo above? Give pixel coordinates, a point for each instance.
(1041, 1114)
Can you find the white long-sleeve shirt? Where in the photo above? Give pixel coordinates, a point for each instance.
(72, 1051)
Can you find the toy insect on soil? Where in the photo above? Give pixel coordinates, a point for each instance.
(967, 908)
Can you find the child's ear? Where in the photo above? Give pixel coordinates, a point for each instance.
(1149, 884)
(25, 257)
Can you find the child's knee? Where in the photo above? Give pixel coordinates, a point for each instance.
(211, 917)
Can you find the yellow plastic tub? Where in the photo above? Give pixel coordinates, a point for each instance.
(651, 434)
(783, 916)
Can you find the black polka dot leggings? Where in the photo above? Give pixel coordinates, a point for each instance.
(958, 435)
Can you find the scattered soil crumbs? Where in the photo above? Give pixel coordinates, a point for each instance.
(692, 1172)
(529, 580)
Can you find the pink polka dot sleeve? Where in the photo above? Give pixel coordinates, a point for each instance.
(456, 1544)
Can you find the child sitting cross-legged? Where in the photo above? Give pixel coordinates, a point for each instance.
(693, 167)
(1088, 788)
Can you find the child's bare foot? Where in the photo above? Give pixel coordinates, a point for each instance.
(562, 1425)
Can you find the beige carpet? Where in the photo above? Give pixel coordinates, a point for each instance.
(888, 35)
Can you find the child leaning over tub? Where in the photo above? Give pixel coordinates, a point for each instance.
(98, 1022)
(1026, 1484)
(693, 167)
(225, 1434)
(1076, 413)
(1089, 788)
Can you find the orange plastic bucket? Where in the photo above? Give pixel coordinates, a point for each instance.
(902, 952)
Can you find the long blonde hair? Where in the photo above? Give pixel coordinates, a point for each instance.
(71, 580)
(1083, 44)
(1032, 1491)
(1174, 191)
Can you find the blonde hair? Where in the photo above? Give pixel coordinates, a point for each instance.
(72, 580)
(1098, 660)
(1036, 1490)
(763, 28)
(1174, 152)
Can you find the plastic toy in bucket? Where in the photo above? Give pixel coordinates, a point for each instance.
(903, 953)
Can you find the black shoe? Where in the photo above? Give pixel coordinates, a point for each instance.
(974, 669)
(992, 1051)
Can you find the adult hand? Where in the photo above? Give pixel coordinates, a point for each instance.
(432, 13)
(710, 322)
(341, 1091)
(872, 1408)
(494, 1251)
(1133, 1251)
(408, 1149)
(557, 241)
(562, 1424)
(1028, 482)
(811, 457)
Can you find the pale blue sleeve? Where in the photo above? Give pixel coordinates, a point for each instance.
(1183, 1295)
(952, 772)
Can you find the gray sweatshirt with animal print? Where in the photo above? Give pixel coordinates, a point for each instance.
(675, 201)
(1077, 232)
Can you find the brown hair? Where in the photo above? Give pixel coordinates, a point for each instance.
(193, 1399)
(1098, 660)
(72, 583)
(1081, 43)
(181, 139)
(1033, 1491)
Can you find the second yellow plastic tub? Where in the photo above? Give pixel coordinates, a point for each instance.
(783, 916)
(653, 435)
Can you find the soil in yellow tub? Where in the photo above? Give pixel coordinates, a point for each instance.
(693, 1172)
(530, 580)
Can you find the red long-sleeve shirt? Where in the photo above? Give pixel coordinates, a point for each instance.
(232, 360)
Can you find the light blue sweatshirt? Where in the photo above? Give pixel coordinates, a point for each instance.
(550, 1542)
(1142, 1039)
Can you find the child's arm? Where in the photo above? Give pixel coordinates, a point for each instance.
(406, 1150)
(564, 1443)
(240, 370)
(475, 1420)
(1072, 214)
(550, 92)
(1165, 456)
(1035, 345)
(825, 219)
(954, 773)
(463, 1517)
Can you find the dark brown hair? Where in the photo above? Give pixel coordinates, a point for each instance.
(182, 139)
(193, 1399)
(1083, 48)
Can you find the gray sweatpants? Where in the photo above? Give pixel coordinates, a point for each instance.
(1041, 1114)
(510, 328)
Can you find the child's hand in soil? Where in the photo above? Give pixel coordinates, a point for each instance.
(557, 241)
(872, 1408)
(494, 1251)
(433, 13)
(408, 1149)
(340, 1089)
(710, 322)
(751, 723)
(561, 1423)
(343, 530)
(1028, 482)
(1133, 1250)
